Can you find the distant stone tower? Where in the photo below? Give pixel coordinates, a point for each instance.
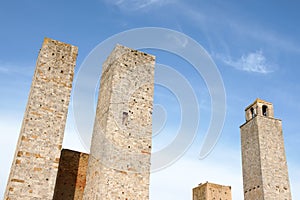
(265, 173)
(211, 191)
(34, 168)
(119, 161)
(71, 176)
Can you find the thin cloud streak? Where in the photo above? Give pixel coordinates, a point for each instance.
(135, 5)
(3, 70)
(179, 41)
(211, 24)
(267, 36)
(8, 69)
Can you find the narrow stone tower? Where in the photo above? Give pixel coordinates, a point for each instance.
(211, 191)
(119, 161)
(265, 173)
(34, 168)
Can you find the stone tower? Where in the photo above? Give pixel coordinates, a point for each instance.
(211, 191)
(34, 168)
(119, 161)
(71, 176)
(265, 173)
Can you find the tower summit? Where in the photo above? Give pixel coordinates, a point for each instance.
(265, 172)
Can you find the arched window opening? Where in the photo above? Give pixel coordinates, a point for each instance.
(125, 118)
(265, 110)
(252, 112)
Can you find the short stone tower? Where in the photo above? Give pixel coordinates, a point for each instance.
(34, 168)
(265, 173)
(211, 191)
(71, 176)
(119, 161)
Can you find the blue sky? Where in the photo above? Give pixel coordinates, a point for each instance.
(255, 46)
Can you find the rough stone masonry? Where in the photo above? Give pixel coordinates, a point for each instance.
(35, 164)
(71, 176)
(265, 172)
(119, 161)
(211, 191)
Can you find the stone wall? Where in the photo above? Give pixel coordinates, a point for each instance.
(119, 162)
(211, 191)
(265, 172)
(35, 164)
(251, 160)
(274, 166)
(71, 176)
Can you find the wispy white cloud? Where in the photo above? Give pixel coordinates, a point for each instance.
(179, 41)
(10, 68)
(3, 70)
(249, 30)
(251, 62)
(264, 35)
(134, 5)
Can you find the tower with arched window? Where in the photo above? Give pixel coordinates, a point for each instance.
(265, 173)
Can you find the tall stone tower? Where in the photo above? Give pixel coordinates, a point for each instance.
(119, 161)
(34, 168)
(211, 191)
(265, 173)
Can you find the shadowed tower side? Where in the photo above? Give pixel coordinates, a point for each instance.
(71, 176)
(35, 164)
(265, 172)
(119, 161)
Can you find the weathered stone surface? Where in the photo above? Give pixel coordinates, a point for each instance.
(211, 191)
(34, 168)
(265, 173)
(71, 176)
(119, 162)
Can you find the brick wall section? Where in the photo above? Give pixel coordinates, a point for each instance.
(265, 172)
(251, 160)
(274, 166)
(211, 191)
(35, 164)
(119, 162)
(71, 176)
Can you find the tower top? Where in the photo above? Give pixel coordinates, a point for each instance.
(259, 107)
(209, 191)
